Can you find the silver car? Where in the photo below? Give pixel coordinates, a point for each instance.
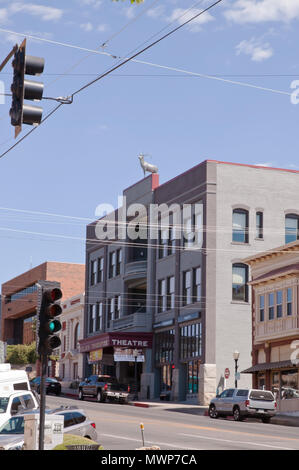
(242, 403)
(75, 422)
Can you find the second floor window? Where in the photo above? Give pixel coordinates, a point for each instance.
(240, 279)
(92, 318)
(240, 226)
(259, 225)
(170, 293)
(291, 228)
(262, 307)
(289, 301)
(118, 261)
(279, 304)
(162, 298)
(99, 321)
(271, 305)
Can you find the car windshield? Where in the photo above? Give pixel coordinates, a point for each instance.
(14, 425)
(3, 404)
(261, 395)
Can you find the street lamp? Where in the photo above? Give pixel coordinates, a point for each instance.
(135, 354)
(236, 356)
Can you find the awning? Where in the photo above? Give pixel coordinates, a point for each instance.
(268, 366)
(120, 340)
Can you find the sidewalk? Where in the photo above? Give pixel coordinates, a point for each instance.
(191, 408)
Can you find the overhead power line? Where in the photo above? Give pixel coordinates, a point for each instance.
(125, 61)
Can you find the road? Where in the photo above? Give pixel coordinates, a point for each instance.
(118, 428)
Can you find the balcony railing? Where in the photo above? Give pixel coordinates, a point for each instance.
(135, 320)
(276, 328)
(136, 267)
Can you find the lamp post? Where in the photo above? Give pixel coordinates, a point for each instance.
(236, 356)
(135, 354)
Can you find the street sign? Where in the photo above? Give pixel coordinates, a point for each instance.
(237, 376)
(227, 373)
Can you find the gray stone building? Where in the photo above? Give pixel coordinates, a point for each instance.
(182, 299)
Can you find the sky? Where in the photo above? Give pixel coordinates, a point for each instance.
(219, 88)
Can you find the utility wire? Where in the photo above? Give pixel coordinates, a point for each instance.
(115, 68)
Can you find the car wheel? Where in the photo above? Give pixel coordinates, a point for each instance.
(237, 414)
(58, 393)
(213, 413)
(80, 395)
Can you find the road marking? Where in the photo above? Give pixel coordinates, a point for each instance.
(236, 442)
(178, 447)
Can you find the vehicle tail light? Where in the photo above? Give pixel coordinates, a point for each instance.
(246, 402)
(129, 388)
(275, 405)
(93, 425)
(106, 387)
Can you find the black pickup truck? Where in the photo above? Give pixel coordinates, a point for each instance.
(104, 387)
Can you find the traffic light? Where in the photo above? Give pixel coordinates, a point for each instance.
(47, 321)
(23, 89)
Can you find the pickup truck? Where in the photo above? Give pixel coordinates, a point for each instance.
(103, 387)
(13, 403)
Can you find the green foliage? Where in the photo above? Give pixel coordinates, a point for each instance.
(70, 439)
(21, 354)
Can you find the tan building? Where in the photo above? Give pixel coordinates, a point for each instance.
(19, 297)
(275, 320)
(71, 361)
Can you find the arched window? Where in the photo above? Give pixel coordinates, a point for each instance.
(240, 225)
(291, 228)
(76, 335)
(240, 279)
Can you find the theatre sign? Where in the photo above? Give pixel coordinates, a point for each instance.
(117, 340)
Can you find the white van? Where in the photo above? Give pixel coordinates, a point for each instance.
(12, 380)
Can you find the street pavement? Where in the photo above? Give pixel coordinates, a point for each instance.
(178, 428)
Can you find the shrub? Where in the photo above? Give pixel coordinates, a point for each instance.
(72, 440)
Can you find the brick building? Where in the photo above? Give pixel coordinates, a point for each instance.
(19, 297)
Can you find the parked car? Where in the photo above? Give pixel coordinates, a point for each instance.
(242, 403)
(52, 385)
(75, 422)
(103, 387)
(12, 403)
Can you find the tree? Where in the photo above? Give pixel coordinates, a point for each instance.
(21, 354)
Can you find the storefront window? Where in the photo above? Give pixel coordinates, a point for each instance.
(190, 341)
(193, 376)
(164, 346)
(289, 379)
(261, 381)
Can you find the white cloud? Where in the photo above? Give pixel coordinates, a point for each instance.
(3, 15)
(256, 11)
(86, 27)
(91, 3)
(103, 28)
(255, 48)
(156, 12)
(195, 25)
(267, 164)
(44, 12)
